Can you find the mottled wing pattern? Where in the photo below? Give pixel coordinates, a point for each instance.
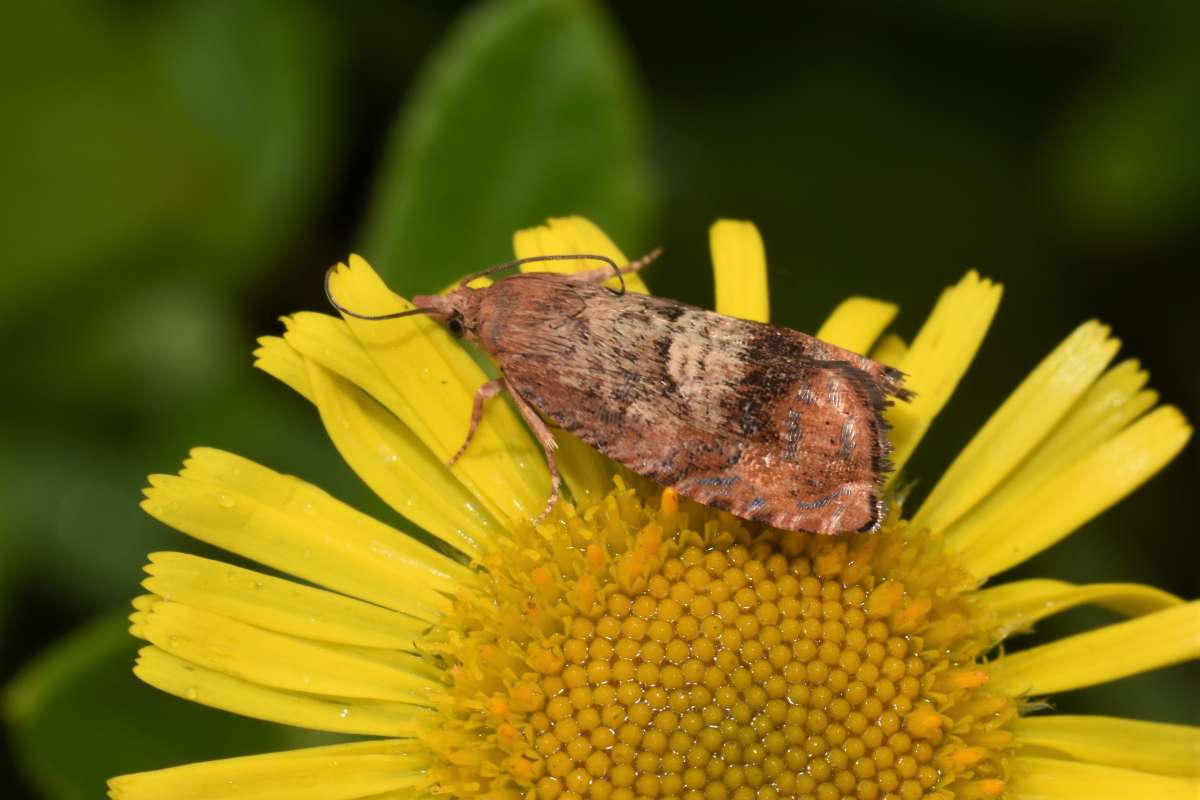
(765, 422)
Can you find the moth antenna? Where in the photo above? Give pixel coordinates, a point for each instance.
(329, 295)
(560, 257)
(634, 266)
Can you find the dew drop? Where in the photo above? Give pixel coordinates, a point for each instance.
(225, 501)
(344, 712)
(172, 641)
(191, 693)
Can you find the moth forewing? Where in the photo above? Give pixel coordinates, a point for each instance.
(765, 422)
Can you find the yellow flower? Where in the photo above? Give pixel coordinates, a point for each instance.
(637, 645)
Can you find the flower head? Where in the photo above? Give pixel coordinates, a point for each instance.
(637, 645)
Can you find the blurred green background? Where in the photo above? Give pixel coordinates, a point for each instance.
(179, 174)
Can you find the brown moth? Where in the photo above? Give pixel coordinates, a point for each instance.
(767, 423)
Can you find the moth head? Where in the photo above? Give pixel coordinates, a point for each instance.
(455, 311)
(458, 310)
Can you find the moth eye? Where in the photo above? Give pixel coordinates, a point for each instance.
(455, 326)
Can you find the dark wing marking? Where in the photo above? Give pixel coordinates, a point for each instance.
(813, 460)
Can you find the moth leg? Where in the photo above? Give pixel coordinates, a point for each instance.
(485, 393)
(604, 273)
(546, 440)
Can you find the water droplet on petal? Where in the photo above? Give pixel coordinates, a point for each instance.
(344, 712)
(191, 693)
(225, 500)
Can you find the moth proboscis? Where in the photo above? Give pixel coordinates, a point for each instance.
(765, 422)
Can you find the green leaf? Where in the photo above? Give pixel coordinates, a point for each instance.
(1124, 166)
(87, 170)
(258, 82)
(78, 716)
(70, 485)
(8, 586)
(159, 137)
(527, 110)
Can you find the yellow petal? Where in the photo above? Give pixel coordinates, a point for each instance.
(328, 341)
(739, 270)
(1112, 652)
(1020, 604)
(291, 495)
(939, 356)
(988, 543)
(218, 690)
(277, 604)
(1108, 406)
(857, 322)
(276, 357)
(587, 473)
(399, 468)
(390, 458)
(565, 235)
(1019, 425)
(1132, 744)
(277, 660)
(890, 350)
(1036, 778)
(337, 772)
(311, 536)
(437, 380)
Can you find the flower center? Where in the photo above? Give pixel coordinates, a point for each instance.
(625, 655)
(738, 674)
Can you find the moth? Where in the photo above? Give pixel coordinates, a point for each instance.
(767, 423)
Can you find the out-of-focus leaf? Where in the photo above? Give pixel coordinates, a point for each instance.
(527, 110)
(150, 348)
(86, 168)
(8, 586)
(254, 84)
(1125, 165)
(200, 130)
(71, 492)
(77, 716)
